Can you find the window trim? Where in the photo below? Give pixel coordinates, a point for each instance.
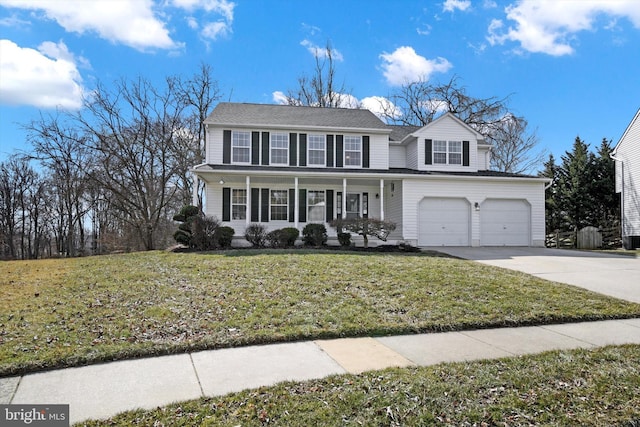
(234, 147)
(273, 205)
(285, 148)
(324, 150)
(345, 151)
(242, 214)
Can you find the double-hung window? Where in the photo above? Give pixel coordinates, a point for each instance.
(352, 150)
(279, 149)
(455, 152)
(447, 152)
(238, 204)
(440, 152)
(279, 205)
(241, 147)
(316, 150)
(315, 206)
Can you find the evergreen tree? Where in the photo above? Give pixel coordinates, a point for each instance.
(577, 176)
(553, 205)
(607, 212)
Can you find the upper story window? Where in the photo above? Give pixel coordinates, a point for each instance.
(352, 150)
(241, 147)
(316, 146)
(447, 152)
(279, 149)
(279, 206)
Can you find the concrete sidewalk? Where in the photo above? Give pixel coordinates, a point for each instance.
(101, 391)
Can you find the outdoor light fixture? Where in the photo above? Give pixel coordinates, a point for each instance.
(377, 196)
(222, 183)
(476, 206)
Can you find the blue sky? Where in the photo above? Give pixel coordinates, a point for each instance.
(570, 67)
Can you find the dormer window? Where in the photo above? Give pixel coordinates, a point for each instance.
(447, 152)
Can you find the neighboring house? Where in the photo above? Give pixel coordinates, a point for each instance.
(627, 158)
(285, 166)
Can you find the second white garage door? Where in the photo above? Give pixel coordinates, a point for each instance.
(505, 223)
(443, 222)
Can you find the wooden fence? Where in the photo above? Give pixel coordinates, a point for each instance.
(611, 238)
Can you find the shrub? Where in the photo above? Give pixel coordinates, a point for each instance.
(314, 235)
(224, 236)
(344, 239)
(184, 234)
(204, 232)
(256, 234)
(283, 238)
(365, 227)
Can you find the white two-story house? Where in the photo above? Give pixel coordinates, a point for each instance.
(285, 166)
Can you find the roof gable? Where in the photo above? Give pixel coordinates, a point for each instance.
(241, 114)
(634, 122)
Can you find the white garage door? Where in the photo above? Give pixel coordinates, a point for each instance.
(505, 223)
(443, 222)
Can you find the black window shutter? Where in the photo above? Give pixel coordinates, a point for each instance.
(292, 204)
(265, 205)
(255, 205)
(303, 150)
(330, 151)
(226, 147)
(465, 153)
(328, 200)
(302, 205)
(339, 150)
(265, 148)
(293, 152)
(226, 204)
(255, 148)
(365, 151)
(428, 148)
(365, 205)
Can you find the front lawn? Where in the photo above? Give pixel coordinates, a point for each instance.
(67, 312)
(561, 388)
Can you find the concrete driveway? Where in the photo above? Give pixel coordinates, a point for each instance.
(609, 274)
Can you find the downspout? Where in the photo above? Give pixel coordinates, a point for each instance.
(622, 216)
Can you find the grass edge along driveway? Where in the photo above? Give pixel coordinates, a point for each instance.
(70, 312)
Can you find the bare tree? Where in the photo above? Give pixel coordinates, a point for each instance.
(321, 90)
(419, 103)
(199, 93)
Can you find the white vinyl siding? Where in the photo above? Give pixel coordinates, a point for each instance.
(448, 129)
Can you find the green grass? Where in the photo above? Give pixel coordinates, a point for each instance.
(67, 312)
(578, 388)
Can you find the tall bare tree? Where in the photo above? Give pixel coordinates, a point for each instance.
(419, 103)
(321, 89)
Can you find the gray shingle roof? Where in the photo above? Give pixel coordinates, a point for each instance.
(398, 132)
(227, 113)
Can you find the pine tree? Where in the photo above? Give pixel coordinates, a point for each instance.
(607, 211)
(553, 206)
(576, 182)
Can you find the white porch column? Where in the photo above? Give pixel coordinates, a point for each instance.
(382, 199)
(248, 207)
(194, 191)
(344, 198)
(296, 212)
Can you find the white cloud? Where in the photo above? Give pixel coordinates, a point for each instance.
(404, 65)
(381, 107)
(211, 29)
(321, 51)
(279, 97)
(452, 5)
(549, 26)
(129, 22)
(47, 77)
